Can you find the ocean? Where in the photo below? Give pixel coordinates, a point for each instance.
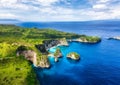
(99, 63)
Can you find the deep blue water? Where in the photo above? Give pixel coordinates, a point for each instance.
(97, 28)
(99, 63)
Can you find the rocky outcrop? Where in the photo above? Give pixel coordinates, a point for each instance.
(57, 54)
(29, 55)
(43, 62)
(73, 55)
(47, 44)
(63, 42)
(116, 38)
(88, 39)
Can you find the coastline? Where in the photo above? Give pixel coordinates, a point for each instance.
(29, 43)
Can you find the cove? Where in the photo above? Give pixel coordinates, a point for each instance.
(99, 65)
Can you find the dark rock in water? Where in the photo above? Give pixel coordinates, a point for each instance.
(115, 38)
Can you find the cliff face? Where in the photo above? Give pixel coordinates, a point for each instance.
(47, 44)
(50, 43)
(43, 62)
(63, 41)
(41, 48)
(29, 55)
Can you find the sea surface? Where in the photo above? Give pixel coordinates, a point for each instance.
(99, 63)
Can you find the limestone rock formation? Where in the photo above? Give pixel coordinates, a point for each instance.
(57, 54)
(73, 55)
(29, 55)
(43, 62)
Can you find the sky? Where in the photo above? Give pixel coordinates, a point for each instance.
(59, 10)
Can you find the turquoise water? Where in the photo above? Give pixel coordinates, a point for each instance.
(99, 63)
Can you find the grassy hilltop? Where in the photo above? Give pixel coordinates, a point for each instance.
(12, 33)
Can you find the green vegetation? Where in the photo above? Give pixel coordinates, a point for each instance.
(73, 55)
(57, 52)
(13, 33)
(43, 61)
(7, 50)
(89, 39)
(16, 71)
(23, 48)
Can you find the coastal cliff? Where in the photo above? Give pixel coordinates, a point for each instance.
(32, 56)
(29, 55)
(47, 44)
(43, 61)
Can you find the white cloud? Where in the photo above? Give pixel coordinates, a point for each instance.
(44, 10)
(8, 1)
(47, 2)
(16, 5)
(103, 1)
(7, 15)
(99, 6)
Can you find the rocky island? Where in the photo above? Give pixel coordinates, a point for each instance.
(73, 56)
(116, 38)
(57, 54)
